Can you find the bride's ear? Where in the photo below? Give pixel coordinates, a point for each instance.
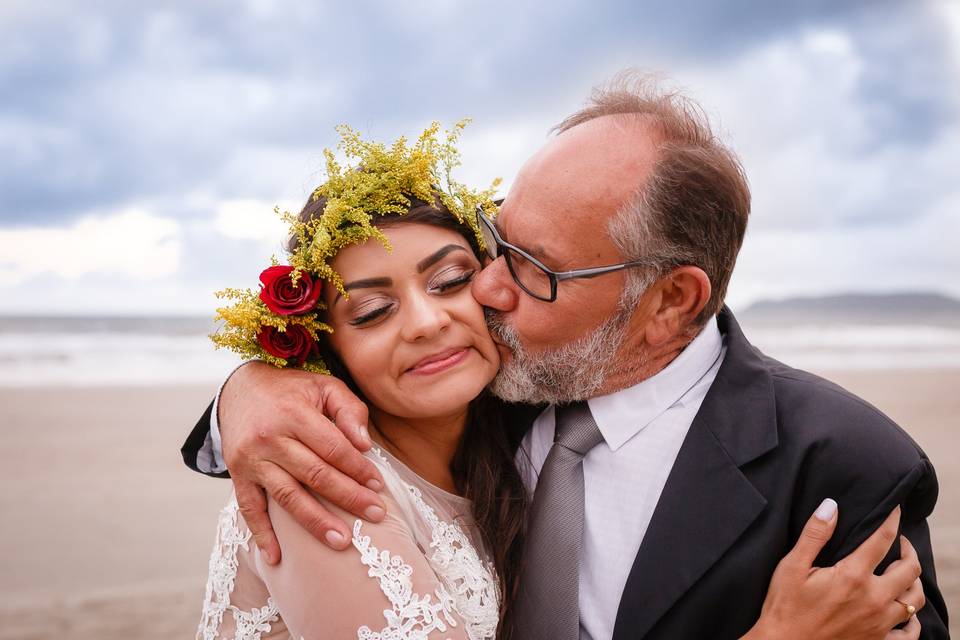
(680, 297)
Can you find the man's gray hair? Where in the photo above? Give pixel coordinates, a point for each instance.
(693, 207)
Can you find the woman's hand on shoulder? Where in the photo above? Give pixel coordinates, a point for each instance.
(846, 600)
(285, 431)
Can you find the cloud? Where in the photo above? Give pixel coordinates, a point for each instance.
(847, 115)
(100, 107)
(252, 220)
(132, 243)
(817, 149)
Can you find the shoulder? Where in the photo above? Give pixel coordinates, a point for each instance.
(844, 446)
(813, 409)
(810, 411)
(396, 525)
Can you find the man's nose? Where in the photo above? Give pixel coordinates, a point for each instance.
(494, 286)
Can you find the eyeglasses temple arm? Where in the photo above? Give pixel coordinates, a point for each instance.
(596, 271)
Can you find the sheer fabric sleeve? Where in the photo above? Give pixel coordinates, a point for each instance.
(380, 587)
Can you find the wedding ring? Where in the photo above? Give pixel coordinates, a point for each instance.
(909, 607)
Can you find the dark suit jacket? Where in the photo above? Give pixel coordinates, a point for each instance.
(768, 444)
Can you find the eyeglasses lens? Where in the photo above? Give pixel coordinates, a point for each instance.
(489, 240)
(531, 277)
(528, 275)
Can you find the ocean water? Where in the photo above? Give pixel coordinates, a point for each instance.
(164, 351)
(836, 346)
(110, 351)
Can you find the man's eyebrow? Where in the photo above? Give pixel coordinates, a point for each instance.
(366, 283)
(537, 250)
(436, 256)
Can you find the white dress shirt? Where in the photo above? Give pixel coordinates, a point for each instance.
(210, 455)
(643, 428)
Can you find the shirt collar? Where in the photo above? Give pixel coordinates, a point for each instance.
(623, 414)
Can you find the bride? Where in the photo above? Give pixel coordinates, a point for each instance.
(377, 292)
(407, 335)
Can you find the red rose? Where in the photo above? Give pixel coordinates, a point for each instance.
(285, 298)
(293, 344)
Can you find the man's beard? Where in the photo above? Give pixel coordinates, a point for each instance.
(575, 371)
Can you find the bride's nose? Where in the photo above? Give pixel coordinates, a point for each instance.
(426, 317)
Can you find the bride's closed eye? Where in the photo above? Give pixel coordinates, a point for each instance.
(449, 280)
(367, 313)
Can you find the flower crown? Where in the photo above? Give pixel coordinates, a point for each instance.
(280, 323)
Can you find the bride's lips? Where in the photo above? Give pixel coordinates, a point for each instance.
(440, 361)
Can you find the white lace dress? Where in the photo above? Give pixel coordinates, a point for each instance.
(423, 573)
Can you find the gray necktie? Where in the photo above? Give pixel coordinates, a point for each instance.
(548, 602)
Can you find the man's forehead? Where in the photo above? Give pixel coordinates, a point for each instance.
(565, 194)
(558, 238)
(587, 172)
(523, 235)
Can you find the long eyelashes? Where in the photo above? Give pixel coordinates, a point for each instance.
(443, 287)
(447, 286)
(370, 317)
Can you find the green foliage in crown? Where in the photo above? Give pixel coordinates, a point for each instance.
(280, 323)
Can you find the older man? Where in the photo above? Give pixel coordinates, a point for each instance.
(672, 464)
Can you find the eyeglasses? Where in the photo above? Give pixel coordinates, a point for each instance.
(531, 275)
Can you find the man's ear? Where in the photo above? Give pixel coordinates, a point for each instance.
(681, 294)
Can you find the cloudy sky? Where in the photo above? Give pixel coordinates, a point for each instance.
(143, 150)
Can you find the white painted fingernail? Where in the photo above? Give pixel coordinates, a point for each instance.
(826, 510)
(364, 433)
(335, 538)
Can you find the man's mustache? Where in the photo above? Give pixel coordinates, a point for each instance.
(500, 330)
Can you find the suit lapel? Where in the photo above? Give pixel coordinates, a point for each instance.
(707, 502)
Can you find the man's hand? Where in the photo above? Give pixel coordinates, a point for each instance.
(287, 431)
(846, 600)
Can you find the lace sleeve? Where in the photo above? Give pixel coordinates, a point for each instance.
(381, 587)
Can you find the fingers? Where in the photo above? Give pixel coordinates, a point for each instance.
(815, 534)
(909, 632)
(347, 411)
(253, 508)
(305, 509)
(901, 574)
(900, 608)
(915, 596)
(868, 555)
(317, 474)
(337, 450)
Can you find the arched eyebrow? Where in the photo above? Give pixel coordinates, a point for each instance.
(437, 256)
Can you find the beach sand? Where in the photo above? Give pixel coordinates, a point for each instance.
(105, 534)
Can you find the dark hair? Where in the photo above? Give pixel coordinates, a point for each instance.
(483, 466)
(694, 206)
